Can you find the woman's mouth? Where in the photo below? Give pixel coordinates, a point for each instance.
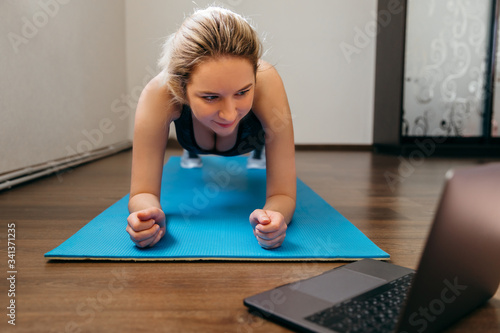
(225, 125)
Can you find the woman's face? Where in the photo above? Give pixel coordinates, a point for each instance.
(220, 93)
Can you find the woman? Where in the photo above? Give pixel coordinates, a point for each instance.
(224, 100)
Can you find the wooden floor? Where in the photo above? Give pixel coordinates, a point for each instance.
(390, 199)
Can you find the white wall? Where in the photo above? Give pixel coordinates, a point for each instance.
(72, 70)
(62, 75)
(330, 90)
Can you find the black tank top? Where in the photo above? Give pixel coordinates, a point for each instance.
(250, 135)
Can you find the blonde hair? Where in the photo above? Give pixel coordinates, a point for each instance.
(208, 33)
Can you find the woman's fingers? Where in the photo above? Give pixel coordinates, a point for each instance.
(140, 236)
(136, 224)
(158, 237)
(270, 235)
(146, 227)
(146, 237)
(272, 239)
(150, 213)
(269, 228)
(259, 216)
(270, 243)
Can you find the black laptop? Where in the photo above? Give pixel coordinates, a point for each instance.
(459, 271)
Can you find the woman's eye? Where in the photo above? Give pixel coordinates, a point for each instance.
(242, 93)
(209, 98)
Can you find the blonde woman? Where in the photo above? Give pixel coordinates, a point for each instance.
(223, 100)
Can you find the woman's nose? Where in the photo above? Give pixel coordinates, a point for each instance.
(228, 112)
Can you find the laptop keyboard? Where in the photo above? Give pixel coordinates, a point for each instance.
(374, 311)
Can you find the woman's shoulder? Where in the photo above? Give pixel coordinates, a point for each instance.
(268, 79)
(266, 70)
(269, 85)
(157, 95)
(270, 98)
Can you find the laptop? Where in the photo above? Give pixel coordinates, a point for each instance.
(458, 271)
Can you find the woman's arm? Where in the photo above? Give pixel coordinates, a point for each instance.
(146, 223)
(272, 108)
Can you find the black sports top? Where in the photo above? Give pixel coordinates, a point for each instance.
(250, 135)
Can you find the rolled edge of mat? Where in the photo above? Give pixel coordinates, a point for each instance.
(212, 259)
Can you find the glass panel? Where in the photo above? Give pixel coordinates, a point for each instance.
(445, 66)
(496, 91)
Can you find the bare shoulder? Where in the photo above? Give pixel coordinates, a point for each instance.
(270, 95)
(267, 75)
(157, 101)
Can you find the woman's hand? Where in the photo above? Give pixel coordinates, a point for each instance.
(269, 227)
(146, 227)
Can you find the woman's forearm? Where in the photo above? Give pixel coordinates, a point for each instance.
(283, 204)
(142, 201)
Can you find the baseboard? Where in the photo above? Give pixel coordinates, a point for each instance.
(10, 179)
(174, 144)
(332, 147)
(440, 150)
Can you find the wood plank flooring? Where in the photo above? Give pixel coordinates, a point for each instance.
(391, 199)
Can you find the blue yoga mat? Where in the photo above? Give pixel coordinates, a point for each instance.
(207, 213)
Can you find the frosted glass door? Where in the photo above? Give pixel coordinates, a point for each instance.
(445, 65)
(495, 121)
